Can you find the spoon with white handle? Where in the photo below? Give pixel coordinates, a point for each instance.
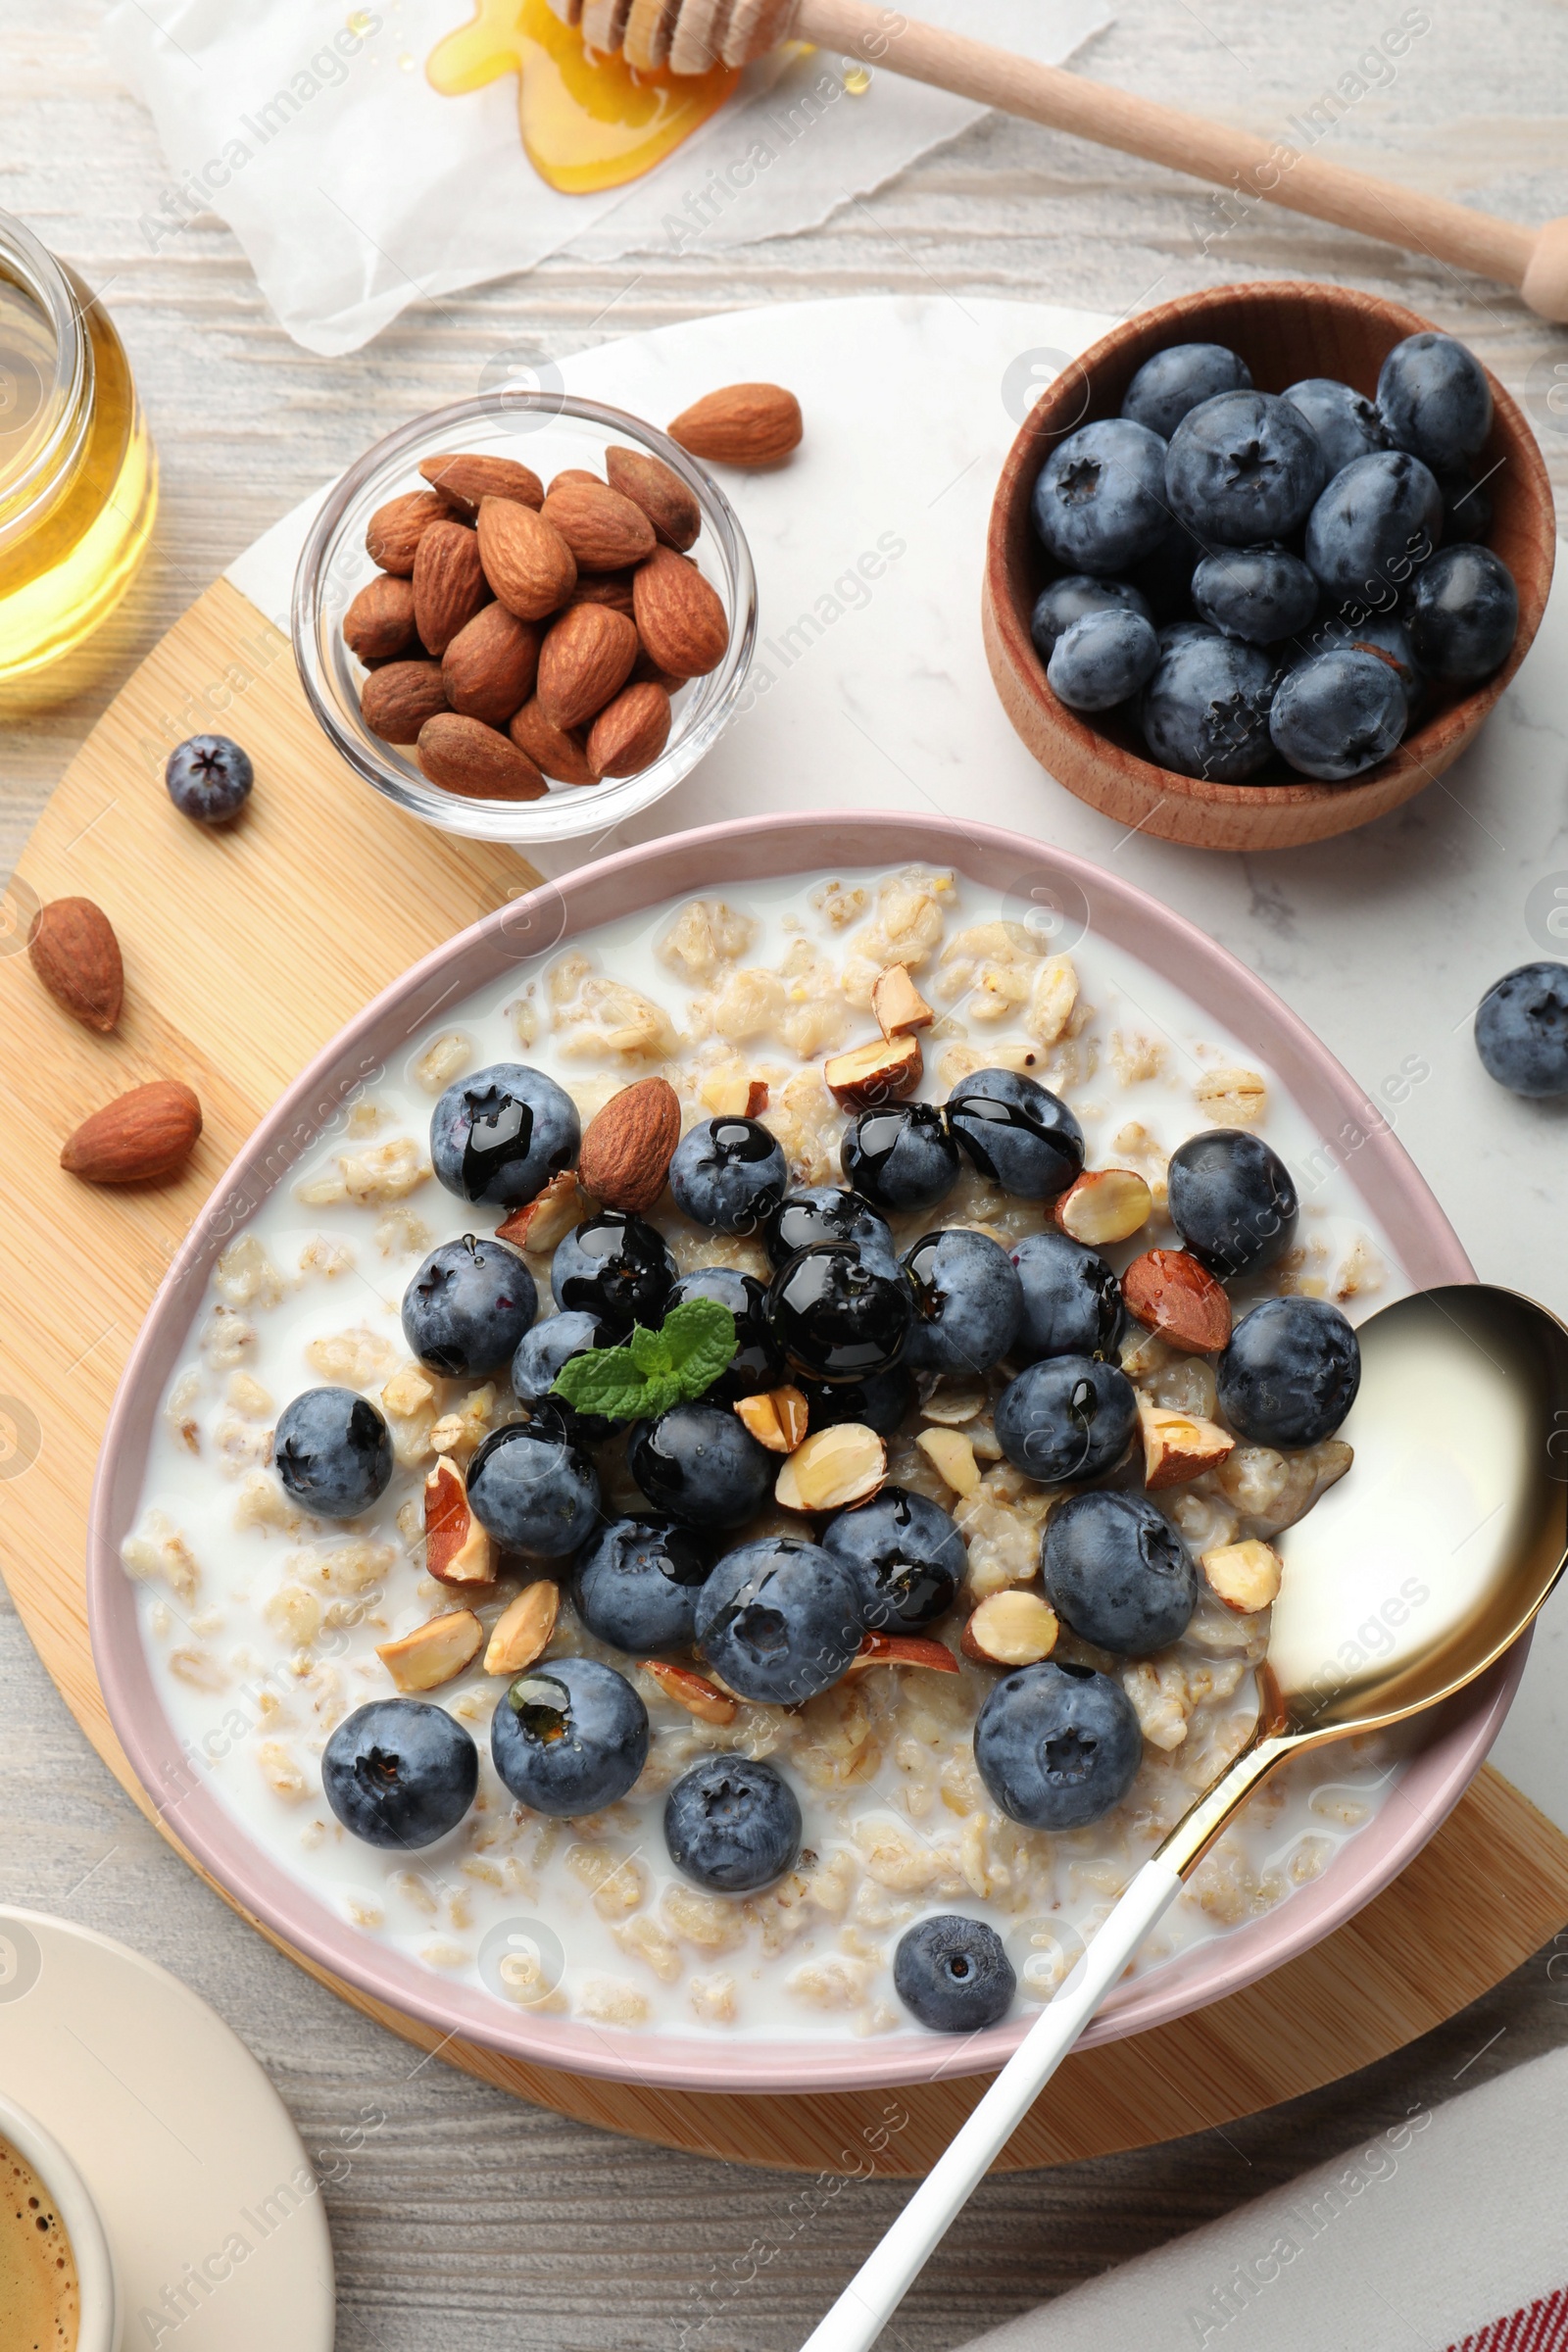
(1448, 1534)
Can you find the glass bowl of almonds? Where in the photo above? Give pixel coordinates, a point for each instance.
(524, 618)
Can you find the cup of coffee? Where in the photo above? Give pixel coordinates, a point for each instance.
(58, 2288)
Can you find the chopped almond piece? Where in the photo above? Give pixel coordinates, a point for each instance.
(904, 1650)
(845, 1464)
(1010, 1628)
(523, 1627)
(1246, 1577)
(1105, 1205)
(546, 1219)
(952, 1456)
(870, 1075)
(776, 1418)
(433, 1653)
(1178, 1446)
(898, 1003)
(457, 1548)
(692, 1692)
(731, 1095)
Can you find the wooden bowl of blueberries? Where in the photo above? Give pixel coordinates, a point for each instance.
(1260, 564)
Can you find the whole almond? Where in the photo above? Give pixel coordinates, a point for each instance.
(525, 560)
(659, 490)
(138, 1138)
(462, 477)
(603, 530)
(489, 667)
(679, 617)
(611, 588)
(73, 949)
(628, 1146)
(559, 755)
(449, 583)
(1170, 1293)
(744, 424)
(465, 756)
(393, 533)
(584, 662)
(379, 624)
(395, 701)
(630, 732)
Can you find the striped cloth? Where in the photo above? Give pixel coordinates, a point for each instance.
(1444, 2232)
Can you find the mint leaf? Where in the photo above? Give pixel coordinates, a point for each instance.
(605, 1380)
(699, 1337)
(655, 1369)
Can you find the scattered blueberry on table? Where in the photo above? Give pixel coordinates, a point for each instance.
(1214, 542)
(208, 778)
(1522, 1030)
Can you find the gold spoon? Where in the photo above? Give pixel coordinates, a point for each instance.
(1407, 1581)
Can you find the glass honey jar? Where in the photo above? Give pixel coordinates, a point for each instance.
(79, 477)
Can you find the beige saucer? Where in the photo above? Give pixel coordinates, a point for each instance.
(211, 2203)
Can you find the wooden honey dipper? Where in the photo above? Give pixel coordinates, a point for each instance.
(691, 37)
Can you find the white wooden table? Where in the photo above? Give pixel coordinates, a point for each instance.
(465, 2220)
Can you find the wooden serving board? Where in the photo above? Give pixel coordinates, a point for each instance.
(245, 950)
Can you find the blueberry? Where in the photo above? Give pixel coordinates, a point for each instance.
(1522, 1030)
(837, 1319)
(1290, 1372)
(399, 1772)
(570, 1737)
(1066, 1419)
(637, 1585)
(615, 1267)
(1435, 398)
(1346, 424)
(1378, 520)
(733, 1824)
(1256, 593)
(1072, 1299)
(1013, 1131)
(826, 1212)
(1070, 598)
(1243, 467)
(779, 1620)
(469, 1306)
(1057, 1746)
(534, 1491)
(1116, 1571)
(907, 1556)
(1384, 635)
(501, 1135)
(1232, 1201)
(1466, 508)
(901, 1157)
(884, 1403)
(953, 1974)
(967, 1301)
(1100, 501)
(333, 1452)
(756, 1362)
(702, 1465)
(728, 1174)
(1103, 659)
(1205, 712)
(1466, 614)
(539, 1362)
(208, 778)
(1337, 713)
(1178, 379)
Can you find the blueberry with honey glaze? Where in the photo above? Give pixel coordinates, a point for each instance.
(728, 1174)
(637, 1585)
(701, 1464)
(615, 1266)
(1017, 1133)
(502, 1134)
(779, 1620)
(469, 1306)
(828, 1212)
(570, 1737)
(967, 1301)
(884, 1403)
(907, 1556)
(837, 1318)
(901, 1157)
(1067, 1420)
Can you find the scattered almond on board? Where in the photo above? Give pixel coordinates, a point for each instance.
(519, 630)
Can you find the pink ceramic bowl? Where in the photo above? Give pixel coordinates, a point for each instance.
(727, 857)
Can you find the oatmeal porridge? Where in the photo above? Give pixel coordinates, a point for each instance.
(718, 1792)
